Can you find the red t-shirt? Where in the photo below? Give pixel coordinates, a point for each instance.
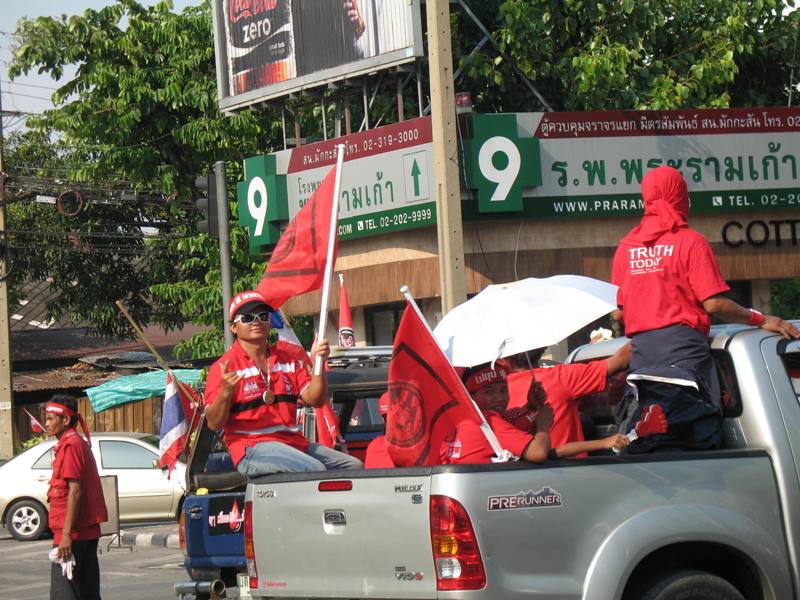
(468, 445)
(666, 283)
(251, 420)
(378, 455)
(564, 385)
(74, 460)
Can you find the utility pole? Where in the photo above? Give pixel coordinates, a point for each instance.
(223, 222)
(452, 273)
(6, 387)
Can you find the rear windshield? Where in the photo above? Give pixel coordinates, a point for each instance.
(791, 361)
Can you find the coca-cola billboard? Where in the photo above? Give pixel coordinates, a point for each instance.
(271, 48)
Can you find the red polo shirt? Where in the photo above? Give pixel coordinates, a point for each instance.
(251, 420)
(665, 283)
(74, 460)
(565, 385)
(468, 445)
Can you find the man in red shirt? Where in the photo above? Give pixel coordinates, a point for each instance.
(468, 444)
(564, 386)
(252, 393)
(77, 506)
(669, 285)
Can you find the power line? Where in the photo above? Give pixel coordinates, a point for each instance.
(9, 93)
(43, 87)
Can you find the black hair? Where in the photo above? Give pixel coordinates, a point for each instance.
(519, 361)
(71, 402)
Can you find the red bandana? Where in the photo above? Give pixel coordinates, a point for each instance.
(60, 409)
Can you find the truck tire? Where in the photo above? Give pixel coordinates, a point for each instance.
(689, 584)
(26, 520)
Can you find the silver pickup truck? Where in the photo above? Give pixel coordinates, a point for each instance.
(720, 525)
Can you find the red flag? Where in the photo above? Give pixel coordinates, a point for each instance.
(427, 400)
(298, 262)
(327, 421)
(347, 338)
(36, 427)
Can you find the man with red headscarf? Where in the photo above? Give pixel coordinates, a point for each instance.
(77, 506)
(669, 283)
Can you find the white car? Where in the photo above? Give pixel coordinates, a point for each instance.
(145, 492)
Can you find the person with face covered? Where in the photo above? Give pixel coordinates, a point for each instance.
(669, 286)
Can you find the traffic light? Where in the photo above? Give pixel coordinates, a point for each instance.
(207, 205)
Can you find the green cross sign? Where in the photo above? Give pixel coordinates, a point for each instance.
(499, 163)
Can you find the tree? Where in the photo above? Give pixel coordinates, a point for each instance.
(638, 55)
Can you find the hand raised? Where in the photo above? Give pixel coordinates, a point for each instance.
(229, 379)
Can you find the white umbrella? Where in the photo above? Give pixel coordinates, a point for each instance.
(509, 318)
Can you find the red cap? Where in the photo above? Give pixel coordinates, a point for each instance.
(246, 299)
(479, 378)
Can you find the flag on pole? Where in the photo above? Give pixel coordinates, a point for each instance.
(347, 338)
(427, 399)
(298, 262)
(327, 421)
(180, 401)
(36, 427)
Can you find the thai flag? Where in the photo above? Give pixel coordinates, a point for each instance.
(36, 427)
(176, 422)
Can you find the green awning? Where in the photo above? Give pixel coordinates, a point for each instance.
(130, 388)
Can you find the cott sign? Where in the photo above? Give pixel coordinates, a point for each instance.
(592, 163)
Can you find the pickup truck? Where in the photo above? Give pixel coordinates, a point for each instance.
(721, 524)
(211, 527)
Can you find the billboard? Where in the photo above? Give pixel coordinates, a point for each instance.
(387, 183)
(591, 164)
(270, 48)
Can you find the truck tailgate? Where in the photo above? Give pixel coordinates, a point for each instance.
(215, 532)
(371, 538)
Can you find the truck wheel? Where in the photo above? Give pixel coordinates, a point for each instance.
(687, 584)
(26, 520)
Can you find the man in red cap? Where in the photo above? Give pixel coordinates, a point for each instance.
(669, 285)
(77, 506)
(468, 444)
(252, 393)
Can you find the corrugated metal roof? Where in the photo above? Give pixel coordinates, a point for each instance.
(30, 313)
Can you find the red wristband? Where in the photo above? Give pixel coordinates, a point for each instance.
(756, 318)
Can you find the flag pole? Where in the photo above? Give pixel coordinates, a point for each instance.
(501, 454)
(326, 282)
(159, 359)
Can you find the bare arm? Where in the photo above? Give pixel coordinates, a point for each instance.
(73, 509)
(619, 360)
(317, 392)
(617, 440)
(539, 448)
(218, 411)
(731, 312)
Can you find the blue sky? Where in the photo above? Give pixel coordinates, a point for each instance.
(32, 93)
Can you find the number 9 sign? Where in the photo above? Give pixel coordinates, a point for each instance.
(257, 210)
(505, 177)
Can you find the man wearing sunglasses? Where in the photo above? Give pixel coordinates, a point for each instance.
(252, 394)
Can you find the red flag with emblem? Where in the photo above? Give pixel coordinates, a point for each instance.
(297, 264)
(36, 427)
(347, 338)
(426, 398)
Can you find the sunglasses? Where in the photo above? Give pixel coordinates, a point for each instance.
(247, 318)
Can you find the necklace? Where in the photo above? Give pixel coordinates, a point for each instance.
(268, 396)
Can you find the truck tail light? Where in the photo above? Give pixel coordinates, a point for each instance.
(249, 550)
(182, 532)
(455, 547)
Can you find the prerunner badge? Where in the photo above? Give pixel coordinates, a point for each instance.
(547, 496)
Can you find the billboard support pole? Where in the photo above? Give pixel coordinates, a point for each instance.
(283, 124)
(452, 274)
(366, 105)
(296, 130)
(324, 117)
(400, 115)
(419, 92)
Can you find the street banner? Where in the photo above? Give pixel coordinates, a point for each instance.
(347, 338)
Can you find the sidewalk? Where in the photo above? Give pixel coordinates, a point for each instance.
(157, 534)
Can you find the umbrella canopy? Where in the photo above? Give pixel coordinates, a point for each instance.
(509, 318)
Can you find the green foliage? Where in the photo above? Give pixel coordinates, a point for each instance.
(636, 55)
(31, 442)
(786, 298)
